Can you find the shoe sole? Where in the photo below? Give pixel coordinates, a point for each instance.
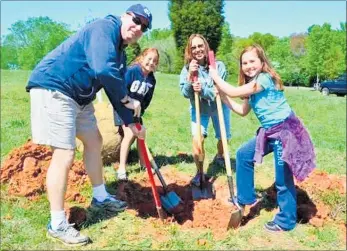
(274, 232)
(115, 209)
(65, 243)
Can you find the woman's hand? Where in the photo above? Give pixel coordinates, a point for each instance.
(193, 66)
(196, 86)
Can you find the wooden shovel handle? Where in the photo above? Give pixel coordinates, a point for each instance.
(223, 135)
(197, 119)
(212, 63)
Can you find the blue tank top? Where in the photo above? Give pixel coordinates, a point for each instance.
(270, 106)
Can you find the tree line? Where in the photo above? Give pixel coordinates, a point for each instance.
(301, 59)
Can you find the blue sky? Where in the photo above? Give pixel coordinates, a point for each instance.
(280, 18)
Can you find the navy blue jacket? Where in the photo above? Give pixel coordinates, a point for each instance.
(140, 87)
(92, 58)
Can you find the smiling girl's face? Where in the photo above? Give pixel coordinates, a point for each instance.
(150, 62)
(251, 64)
(198, 49)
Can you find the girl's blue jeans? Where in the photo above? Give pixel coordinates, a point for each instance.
(286, 192)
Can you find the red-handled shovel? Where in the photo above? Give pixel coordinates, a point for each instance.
(144, 153)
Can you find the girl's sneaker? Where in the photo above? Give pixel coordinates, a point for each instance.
(273, 227)
(111, 204)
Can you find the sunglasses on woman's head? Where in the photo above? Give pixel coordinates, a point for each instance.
(137, 21)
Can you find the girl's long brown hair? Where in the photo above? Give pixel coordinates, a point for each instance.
(188, 51)
(139, 58)
(267, 67)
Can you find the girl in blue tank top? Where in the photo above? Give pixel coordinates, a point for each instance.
(281, 132)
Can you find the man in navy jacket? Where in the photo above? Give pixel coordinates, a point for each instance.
(62, 88)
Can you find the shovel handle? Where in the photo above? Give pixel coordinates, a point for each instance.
(198, 129)
(143, 150)
(198, 118)
(156, 169)
(212, 63)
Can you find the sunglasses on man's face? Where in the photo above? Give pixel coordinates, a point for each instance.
(137, 21)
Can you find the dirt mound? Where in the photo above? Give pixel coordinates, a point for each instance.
(25, 171)
(320, 181)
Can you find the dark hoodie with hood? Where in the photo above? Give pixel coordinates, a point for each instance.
(92, 58)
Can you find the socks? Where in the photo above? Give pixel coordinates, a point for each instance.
(99, 193)
(57, 217)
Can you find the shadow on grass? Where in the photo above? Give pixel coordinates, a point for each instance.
(306, 209)
(85, 217)
(161, 160)
(217, 169)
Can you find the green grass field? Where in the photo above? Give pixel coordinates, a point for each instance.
(168, 126)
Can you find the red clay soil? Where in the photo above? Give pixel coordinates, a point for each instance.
(215, 214)
(25, 171)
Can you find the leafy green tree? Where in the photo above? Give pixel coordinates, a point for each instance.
(264, 40)
(203, 17)
(33, 39)
(225, 51)
(9, 59)
(157, 34)
(286, 63)
(326, 52)
(163, 40)
(132, 51)
(297, 44)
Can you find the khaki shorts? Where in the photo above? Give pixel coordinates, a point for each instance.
(56, 118)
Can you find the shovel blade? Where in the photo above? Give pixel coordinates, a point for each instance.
(170, 202)
(235, 219)
(207, 191)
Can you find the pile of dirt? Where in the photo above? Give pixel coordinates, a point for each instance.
(315, 185)
(25, 171)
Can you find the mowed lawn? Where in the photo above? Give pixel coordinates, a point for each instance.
(168, 126)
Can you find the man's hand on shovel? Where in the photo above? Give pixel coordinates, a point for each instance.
(141, 134)
(135, 105)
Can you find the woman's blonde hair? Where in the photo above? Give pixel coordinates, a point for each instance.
(188, 51)
(139, 58)
(267, 67)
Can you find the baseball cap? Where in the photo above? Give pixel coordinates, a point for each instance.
(140, 10)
